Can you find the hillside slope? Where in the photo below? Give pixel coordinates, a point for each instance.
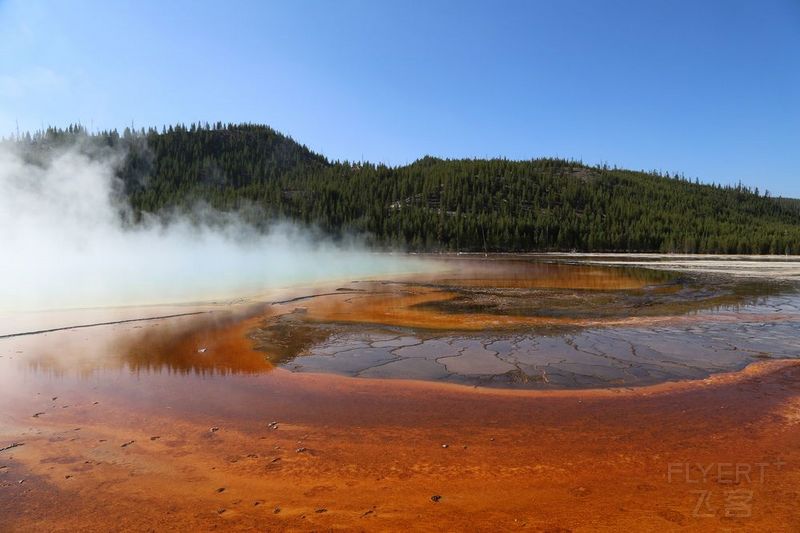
(448, 205)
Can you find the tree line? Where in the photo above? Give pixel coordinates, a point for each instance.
(436, 204)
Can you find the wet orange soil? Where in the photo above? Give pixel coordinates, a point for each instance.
(414, 301)
(180, 424)
(146, 447)
(404, 307)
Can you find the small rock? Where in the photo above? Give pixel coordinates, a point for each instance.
(155, 437)
(125, 445)
(221, 489)
(444, 445)
(321, 510)
(202, 350)
(301, 449)
(37, 415)
(213, 429)
(276, 510)
(435, 498)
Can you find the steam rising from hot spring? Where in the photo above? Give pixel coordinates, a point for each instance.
(63, 244)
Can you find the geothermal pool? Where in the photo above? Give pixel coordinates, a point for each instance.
(545, 325)
(493, 393)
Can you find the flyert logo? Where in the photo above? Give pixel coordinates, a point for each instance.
(735, 500)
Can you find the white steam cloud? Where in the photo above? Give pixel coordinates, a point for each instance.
(63, 245)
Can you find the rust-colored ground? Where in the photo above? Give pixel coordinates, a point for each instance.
(357, 454)
(404, 309)
(179, 424)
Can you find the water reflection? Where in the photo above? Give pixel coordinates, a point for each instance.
(212, 345)
(521, 273)
(565, 326)
(205, 345)
(502, 322)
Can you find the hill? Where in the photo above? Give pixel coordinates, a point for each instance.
(441, 205)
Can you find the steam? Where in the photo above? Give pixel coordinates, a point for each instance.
(63, 244)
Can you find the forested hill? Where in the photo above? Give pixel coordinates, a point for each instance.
(441, 205)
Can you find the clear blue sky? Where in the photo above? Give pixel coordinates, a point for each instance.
(711, 89)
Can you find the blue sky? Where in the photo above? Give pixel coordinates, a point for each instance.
(710, 89)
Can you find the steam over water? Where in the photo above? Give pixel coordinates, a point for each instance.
(63, 244)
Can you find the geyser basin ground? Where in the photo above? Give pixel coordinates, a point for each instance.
(166, 423)
(532, 324)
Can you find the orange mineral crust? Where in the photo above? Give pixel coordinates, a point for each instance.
(405, 307)
(149, 448)
(218, 420)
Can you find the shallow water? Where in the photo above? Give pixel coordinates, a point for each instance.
(591, 358)
(126, 425)
(528, 324)
(515, 323)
